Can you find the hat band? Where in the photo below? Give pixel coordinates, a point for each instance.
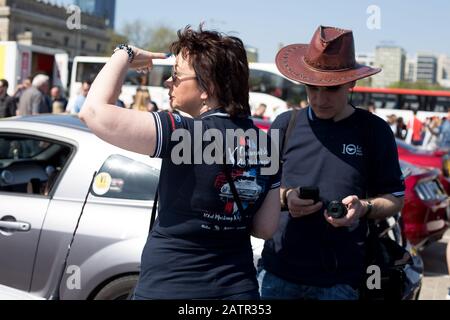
(317, 66)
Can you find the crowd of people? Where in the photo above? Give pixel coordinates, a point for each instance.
(34, 96)
(431, 134)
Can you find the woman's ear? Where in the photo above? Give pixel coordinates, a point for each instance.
(204, 96)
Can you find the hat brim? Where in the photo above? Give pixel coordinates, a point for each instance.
(290, 62)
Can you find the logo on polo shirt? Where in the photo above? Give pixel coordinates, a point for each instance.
(352, 150)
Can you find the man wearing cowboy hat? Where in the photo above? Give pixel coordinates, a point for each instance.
(349, 154)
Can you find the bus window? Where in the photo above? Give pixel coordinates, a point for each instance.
(275, 85)
(159, 75)
(133, 78)
(293, 92)
(88, 71)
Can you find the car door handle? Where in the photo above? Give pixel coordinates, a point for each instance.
(15, 226)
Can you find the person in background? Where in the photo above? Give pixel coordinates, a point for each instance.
(303, 104)
(431, 138)
(260, 112)
(26, 83)
(76, 103)
(7, 104)
(143, 101)
(392, 121)
(371, 108)
(417, 129)
(444, 133)
(35, 100)
(59, 103)
(401, 130)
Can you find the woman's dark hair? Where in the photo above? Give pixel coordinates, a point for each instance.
(221, 65)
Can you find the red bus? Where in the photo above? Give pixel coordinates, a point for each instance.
(403, 99)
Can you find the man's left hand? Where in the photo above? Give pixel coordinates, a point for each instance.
(356, 210)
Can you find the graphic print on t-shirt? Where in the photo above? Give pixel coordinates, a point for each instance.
(246, 183)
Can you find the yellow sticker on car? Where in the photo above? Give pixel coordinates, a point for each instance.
(102, 183)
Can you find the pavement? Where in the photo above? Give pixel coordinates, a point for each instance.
(436, 278)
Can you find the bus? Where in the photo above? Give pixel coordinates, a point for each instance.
(270, 87)
(401, 102)
(267, 85)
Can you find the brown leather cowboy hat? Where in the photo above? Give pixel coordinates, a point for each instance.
(329, 60)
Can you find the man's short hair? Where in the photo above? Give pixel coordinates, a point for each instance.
(40, 80)
(4, 83)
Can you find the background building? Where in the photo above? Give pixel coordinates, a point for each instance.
(443, 73)
(367, 59)
(411, 69)
(392, 60)
(427, 68)
(101, 8)
(39, 23)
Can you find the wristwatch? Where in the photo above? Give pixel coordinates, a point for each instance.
(369, 208)
(128, 49)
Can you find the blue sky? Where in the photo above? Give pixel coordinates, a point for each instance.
(415, 26)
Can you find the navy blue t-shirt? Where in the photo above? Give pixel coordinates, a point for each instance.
(200, 246)
(354, 156)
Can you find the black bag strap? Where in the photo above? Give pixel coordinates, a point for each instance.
(289, 130)
(230, 180)
(155, 207)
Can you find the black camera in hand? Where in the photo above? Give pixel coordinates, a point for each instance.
(337, 210)
(310, 193)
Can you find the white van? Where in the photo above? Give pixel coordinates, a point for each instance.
(19, 61)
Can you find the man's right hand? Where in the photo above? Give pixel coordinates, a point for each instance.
(299, 208)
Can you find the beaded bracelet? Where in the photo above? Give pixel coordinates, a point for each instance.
(128, 49)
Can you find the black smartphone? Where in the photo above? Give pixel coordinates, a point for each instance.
(310, 193)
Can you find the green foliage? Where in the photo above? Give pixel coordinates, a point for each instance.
(156, 39)
(419, 85)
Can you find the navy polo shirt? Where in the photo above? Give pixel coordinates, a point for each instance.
(200, 246)
(354, 156)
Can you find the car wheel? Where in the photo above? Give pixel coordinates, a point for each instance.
(119, 289)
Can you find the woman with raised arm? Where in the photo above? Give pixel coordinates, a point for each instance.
(200, 246)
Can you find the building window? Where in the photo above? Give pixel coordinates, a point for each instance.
(28, 29)
(83, 44)
(99, 47)
(66, 41)
(48, 34)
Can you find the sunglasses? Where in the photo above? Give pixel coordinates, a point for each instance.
(176, 78)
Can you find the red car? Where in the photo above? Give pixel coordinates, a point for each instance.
(426, 211)
(438, 159)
